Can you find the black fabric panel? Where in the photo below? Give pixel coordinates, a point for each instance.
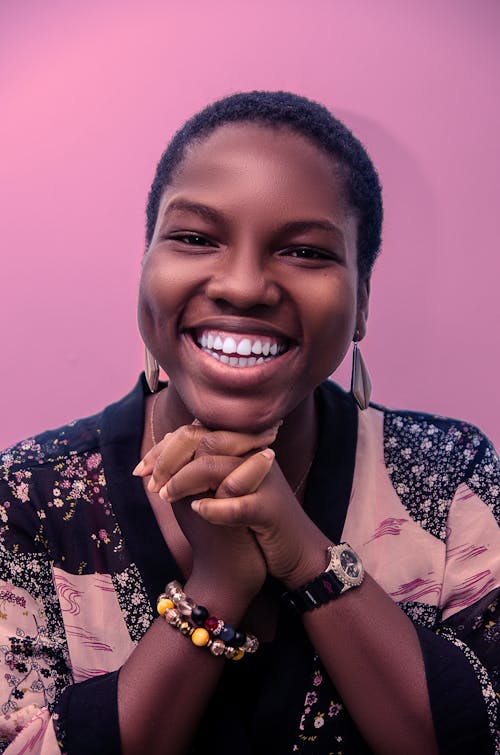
(89, 713)
(121, 446)
(458, 710)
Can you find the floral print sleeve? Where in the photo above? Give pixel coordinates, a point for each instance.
(426, 525)
(33, 653)
(47, 641)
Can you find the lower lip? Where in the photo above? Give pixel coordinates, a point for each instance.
(236, 376)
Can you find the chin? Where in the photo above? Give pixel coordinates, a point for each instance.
(238, 416)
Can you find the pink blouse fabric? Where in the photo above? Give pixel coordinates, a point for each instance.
(422, 513)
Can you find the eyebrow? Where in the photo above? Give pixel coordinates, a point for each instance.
(303, 226)
(209, 213)
(202, 210)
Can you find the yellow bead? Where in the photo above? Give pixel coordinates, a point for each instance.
(200, 637)
(163, 604)
(239, 655)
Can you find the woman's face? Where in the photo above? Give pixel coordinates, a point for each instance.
(249, 294)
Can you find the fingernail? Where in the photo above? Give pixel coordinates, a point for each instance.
(151, 485)
(268, 453)
(195, 505)
(138, 470)
(163, 493)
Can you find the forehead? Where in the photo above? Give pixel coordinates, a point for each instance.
(259, 159)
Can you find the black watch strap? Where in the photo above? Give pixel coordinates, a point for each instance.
(324, 588)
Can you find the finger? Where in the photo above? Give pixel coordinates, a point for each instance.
(200, 475)
(228, 443)
(177, 451)
(230, 512)
(179, 447)
(248, 476)
(146, 465)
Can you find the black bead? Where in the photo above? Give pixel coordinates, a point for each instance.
(238, 639)
(199, 614)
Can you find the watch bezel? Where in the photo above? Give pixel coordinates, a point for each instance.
(336, 567)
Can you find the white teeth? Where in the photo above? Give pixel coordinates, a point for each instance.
(229, 345)
(211, 353)
(249, 352)
(244, 347)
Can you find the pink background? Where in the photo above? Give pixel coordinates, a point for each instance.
(91, 91)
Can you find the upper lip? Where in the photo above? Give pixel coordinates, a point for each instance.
(242, 325)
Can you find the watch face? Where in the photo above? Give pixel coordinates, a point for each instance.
(350, 564)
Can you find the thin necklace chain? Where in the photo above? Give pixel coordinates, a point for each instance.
(296, 490)
(305, 475)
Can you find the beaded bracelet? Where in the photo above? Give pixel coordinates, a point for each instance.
(204, 630)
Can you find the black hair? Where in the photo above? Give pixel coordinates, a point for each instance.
(308, 118)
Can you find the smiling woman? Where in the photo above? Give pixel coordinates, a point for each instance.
(254, 241)
(251, 501)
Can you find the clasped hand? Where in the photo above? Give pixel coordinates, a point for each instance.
(233, 503)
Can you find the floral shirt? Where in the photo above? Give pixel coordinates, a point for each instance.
(82, 560)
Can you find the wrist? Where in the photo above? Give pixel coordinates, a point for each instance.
(313, 561)
(223, 596)
(343, 572)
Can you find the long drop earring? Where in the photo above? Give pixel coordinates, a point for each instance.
(361, 385)
(152, 370)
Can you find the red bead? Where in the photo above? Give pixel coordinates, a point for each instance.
(211, 623)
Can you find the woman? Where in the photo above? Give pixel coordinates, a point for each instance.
(263, 224)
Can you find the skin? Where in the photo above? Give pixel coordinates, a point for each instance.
(254, 237)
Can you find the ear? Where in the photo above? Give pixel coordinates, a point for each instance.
(362, 311)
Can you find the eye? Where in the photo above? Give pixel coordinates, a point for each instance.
(307, 253)
(191, 239)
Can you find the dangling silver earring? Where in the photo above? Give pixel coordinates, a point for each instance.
(361, 385)
(152, 370)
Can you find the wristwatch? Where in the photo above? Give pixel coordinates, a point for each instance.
(344, 571)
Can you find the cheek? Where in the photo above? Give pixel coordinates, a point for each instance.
(155, 299)
(332, 316)
(160, 290)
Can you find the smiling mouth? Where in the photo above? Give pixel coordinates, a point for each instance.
(238, 349)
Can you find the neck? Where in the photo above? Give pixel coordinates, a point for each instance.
(296, 443)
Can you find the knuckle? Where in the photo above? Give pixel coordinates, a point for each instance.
(206, 446)
(230, 488)
(211, 465)
(234, 513)
(185, 433)
(162, 468)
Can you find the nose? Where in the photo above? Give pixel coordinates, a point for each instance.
(244, 279)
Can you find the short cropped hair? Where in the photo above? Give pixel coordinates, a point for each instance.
(305, 117)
